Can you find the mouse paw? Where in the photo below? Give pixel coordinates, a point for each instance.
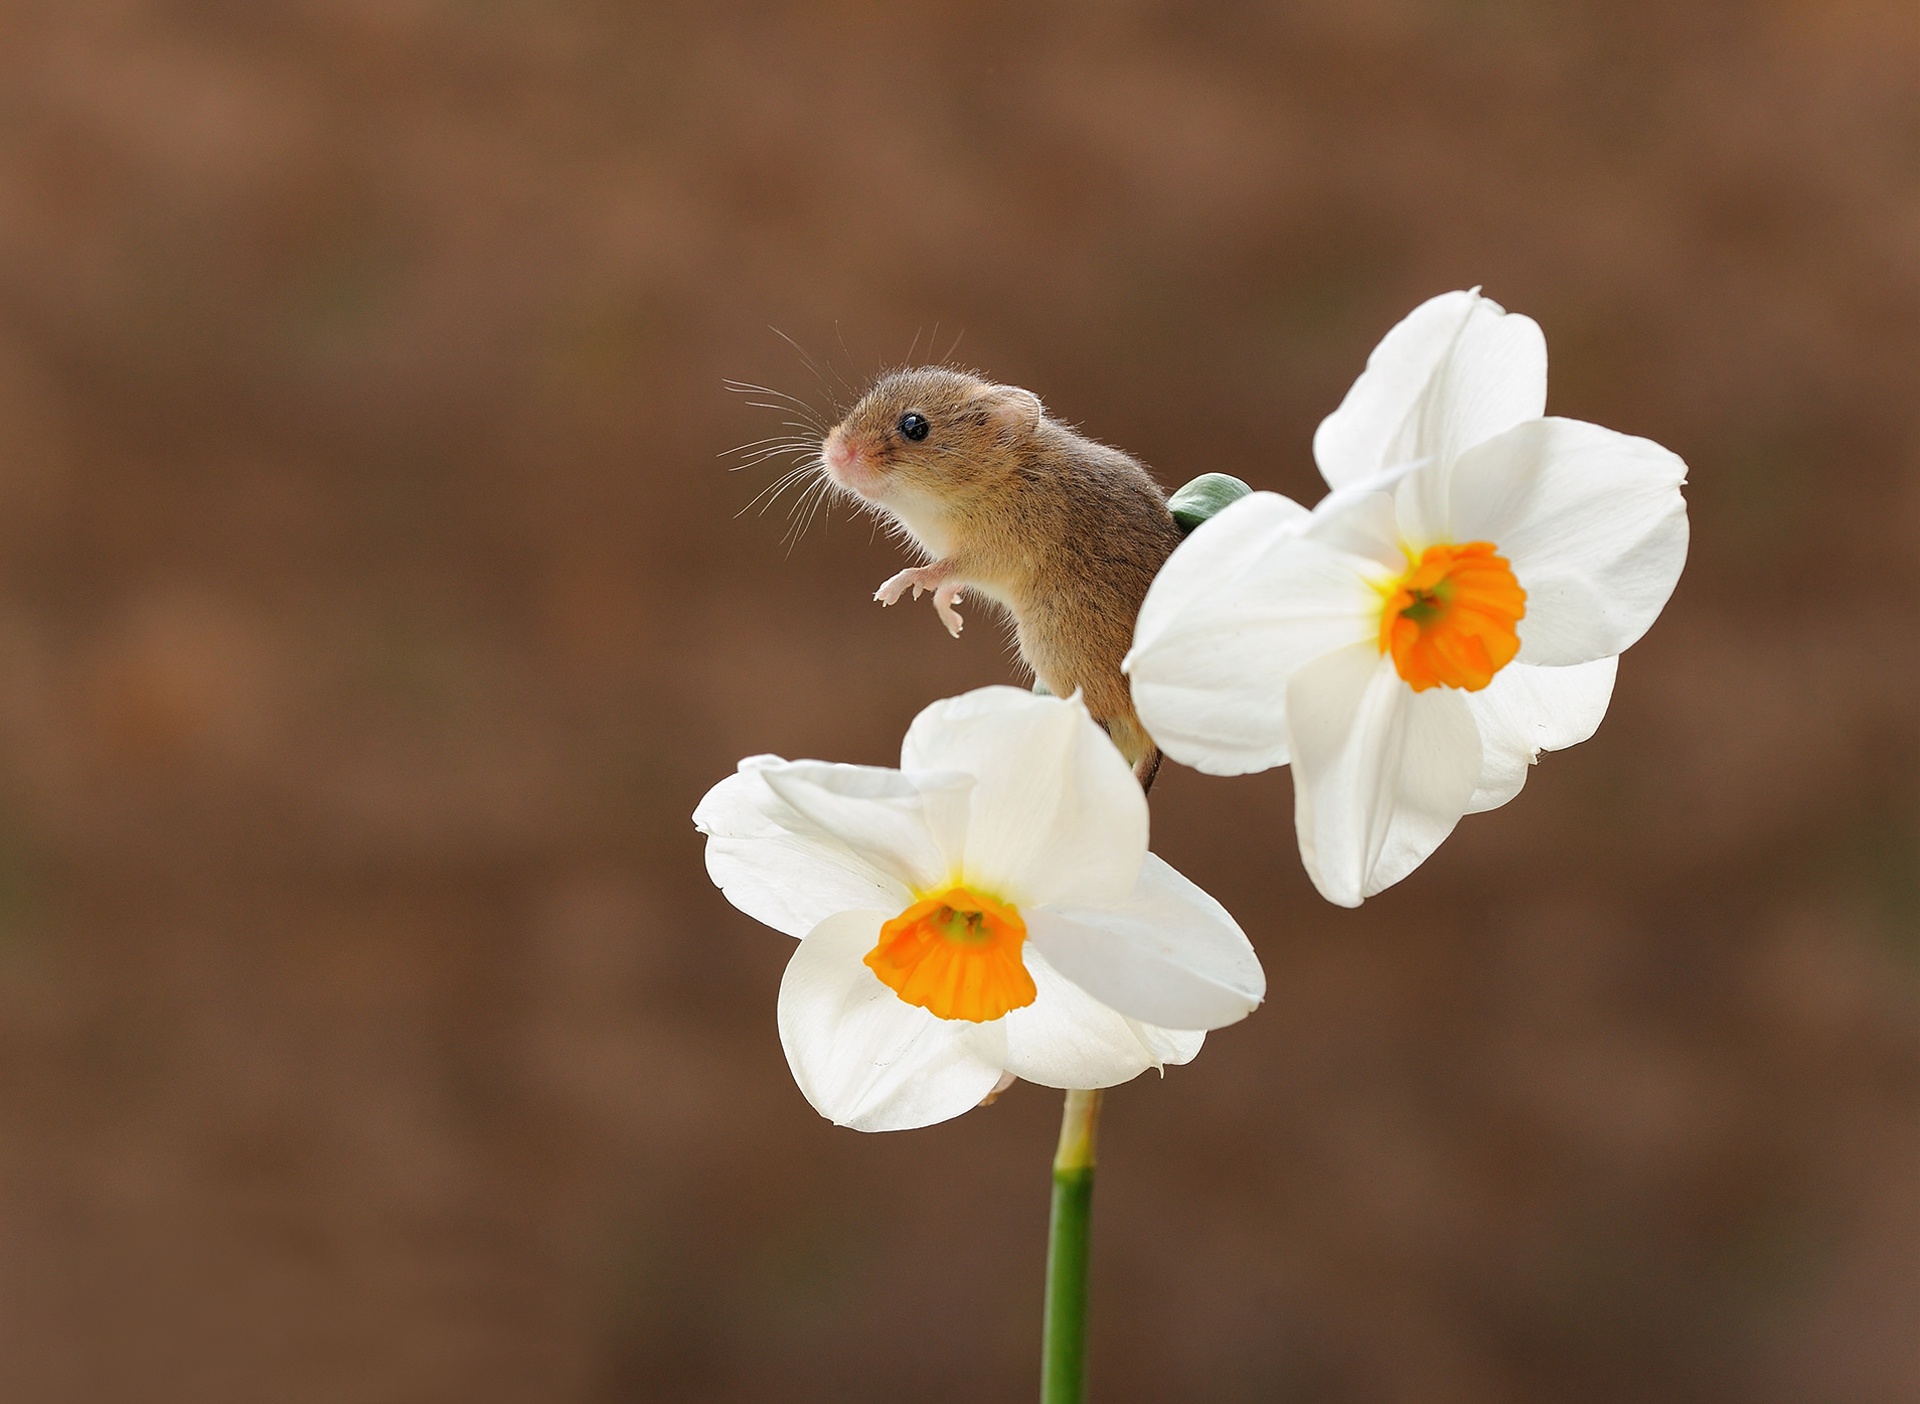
(895, 586)
(921, 578)
(945, 597)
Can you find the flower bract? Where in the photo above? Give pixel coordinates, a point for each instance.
(1454, 606)
(988, 909)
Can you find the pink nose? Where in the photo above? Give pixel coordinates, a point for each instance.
(840, 453)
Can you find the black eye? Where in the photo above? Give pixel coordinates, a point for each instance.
(914, 426)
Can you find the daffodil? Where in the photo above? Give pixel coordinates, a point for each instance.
(987, 911)
(1453, 607)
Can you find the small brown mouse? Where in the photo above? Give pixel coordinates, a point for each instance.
(1064, 533)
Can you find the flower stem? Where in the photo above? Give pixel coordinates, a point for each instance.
(1063, 1347)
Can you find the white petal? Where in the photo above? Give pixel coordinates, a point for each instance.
(1169, 954)
(910, 826)
(1527, 710)
(1593, 524)
(1363, 523)
(863, 1056)
(1381, 773)
(1056, 814)
(1174, 1046)
(776, 866)
(1214, 558)
(1067, 1038)
(1457, 370)
(1221, 633)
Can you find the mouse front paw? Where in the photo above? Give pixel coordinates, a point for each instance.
(936, 580)
(920, 578)
(945, 597)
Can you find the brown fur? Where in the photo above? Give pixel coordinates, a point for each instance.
(1063, 532)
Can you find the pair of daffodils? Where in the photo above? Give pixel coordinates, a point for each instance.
(1453, 607)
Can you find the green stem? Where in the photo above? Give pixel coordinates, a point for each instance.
(1063, 1345)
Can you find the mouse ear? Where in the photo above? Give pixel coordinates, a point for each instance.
(1013, 409)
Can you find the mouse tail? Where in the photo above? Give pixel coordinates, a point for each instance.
(1136, 746)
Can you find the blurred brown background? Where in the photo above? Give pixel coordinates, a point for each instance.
(374, 609)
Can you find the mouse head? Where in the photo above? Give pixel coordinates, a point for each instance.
(922, 441)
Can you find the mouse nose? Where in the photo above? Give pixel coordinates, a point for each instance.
(839, 452)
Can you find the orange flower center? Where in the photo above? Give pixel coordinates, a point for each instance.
(1450, 620)
(957, 956)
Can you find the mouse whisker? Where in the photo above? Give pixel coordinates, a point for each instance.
(841, 338)
(771, 494)
(827, 501)
(802, 514)
(747, 387)
(785, 441)
(810, 364)
(795, 526)
(766, 448)
(811, 426)
(771, 439)
(775, 441)
(818, 499)
(798, 441)
(769, 456)
(808, 427)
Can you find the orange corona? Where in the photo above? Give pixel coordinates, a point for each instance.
(956, 955)
(1450, 620)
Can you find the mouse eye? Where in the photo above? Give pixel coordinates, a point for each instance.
(914, 426)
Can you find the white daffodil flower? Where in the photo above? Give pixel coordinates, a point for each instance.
(1453, 607)
(989, 909)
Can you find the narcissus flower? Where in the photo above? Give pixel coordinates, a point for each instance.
(989, 909)
(1453, 607)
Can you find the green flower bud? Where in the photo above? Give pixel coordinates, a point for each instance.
(1204, 497)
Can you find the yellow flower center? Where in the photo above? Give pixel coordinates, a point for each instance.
(1450, 620)
(956, 955)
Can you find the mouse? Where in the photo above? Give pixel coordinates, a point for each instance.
(1004, 501)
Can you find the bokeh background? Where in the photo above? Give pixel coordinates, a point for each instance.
(375, 607)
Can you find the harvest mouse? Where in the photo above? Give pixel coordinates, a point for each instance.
(1064, 533)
